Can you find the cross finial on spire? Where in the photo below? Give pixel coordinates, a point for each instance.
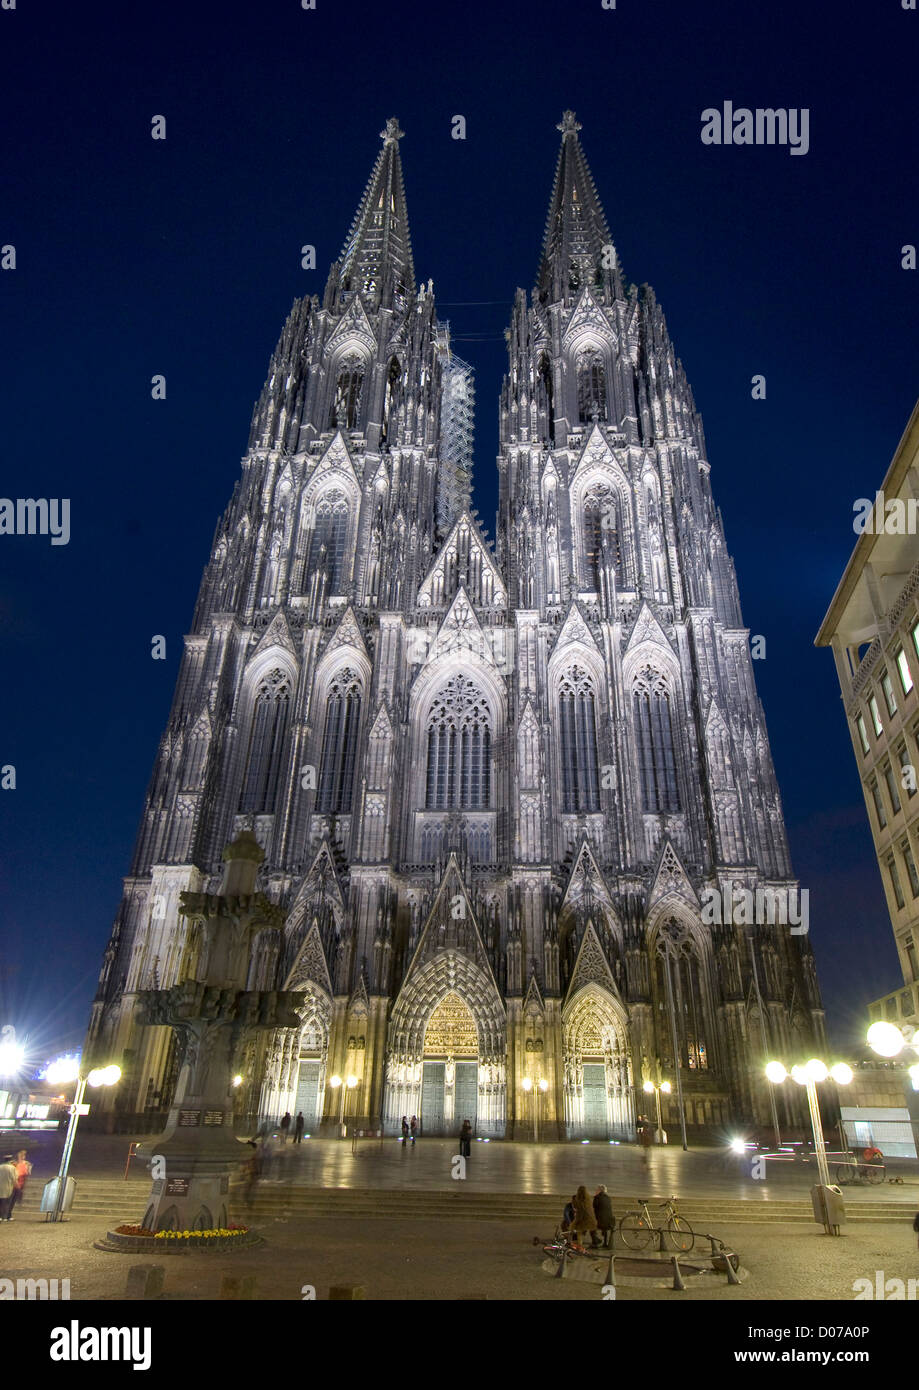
(392, 133)
(569, 125)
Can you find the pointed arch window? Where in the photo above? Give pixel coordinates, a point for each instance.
(578, 743)
(266, 743)
(393, 398)
(591, 376)
(459, 736)
(654, 732)
(339, 745)
(328, 541)
(546, 403)
(346, 403)
(681, 997)
(602, 523)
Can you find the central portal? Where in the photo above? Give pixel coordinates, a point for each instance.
(450, 1074)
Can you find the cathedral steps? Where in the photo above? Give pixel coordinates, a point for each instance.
(117, 1201)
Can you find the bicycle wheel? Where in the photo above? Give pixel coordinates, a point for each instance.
(844, 1174)
(680, 1233)
(635, 1231)
(557, 1252)
(875, 1172)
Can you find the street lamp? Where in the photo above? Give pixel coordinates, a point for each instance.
(346, 1084)
(535, 1086)
(887, 1040)
(61, 1073)
(12, 1056)
(660, 1133)
(809, 1075)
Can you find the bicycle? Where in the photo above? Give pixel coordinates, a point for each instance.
(637, 1227)
(560, 1247)
(860, 1172)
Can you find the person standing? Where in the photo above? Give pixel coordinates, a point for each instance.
(466, 1139)
(298, 1128)
(23, 1169)
(285, 1126)
(8, 1176)
(603, 1211)
(404, 1128)
(414, 1128)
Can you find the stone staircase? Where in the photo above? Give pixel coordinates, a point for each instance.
(114, 1201)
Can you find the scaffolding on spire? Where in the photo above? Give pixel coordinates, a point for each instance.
(457, 426)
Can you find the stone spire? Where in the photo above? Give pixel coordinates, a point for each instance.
(576, 229)
(376, 260)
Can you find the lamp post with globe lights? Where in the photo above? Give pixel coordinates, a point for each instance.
(537, 1087)
(810, 1075)
(61, 1073)
(888, 1041)
(343, 1084)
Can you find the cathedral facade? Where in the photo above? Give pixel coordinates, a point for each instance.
(495, 785)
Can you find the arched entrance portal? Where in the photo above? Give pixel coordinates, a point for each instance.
(450, 1068)
(598, 1080)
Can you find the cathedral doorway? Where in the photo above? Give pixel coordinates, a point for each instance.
(598, 1082)
(450, 1067)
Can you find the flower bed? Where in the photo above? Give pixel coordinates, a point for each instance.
(138, 1240)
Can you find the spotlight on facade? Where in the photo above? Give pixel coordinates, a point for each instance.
(776, 1073)
(104, 1076)
(841, 1073)
(12, 1056)
(527, 1084)
(335, 1081)
(648, 1088)
(237, 1081)
(885, 1039)
(352, 1082)
(62, 1071)
(666, 1087)
(817, 1070)
(544, 1085)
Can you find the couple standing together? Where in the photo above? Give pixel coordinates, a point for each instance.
(409, 1130)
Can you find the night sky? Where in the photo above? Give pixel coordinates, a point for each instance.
(182, 257)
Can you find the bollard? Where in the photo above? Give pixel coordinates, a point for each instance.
(562, 1270)
(677, 1276)
(237, 1286)
(731, 1271)
(339, 1292)
(611, 1272)
(145, 1281)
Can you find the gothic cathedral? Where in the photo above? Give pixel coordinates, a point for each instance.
(493, 784)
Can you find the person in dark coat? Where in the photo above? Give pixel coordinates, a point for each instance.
(285, 1126)
(405, 1130)
(568, 1214)
(466, 1139)
(298, 1128)
(584, 1223)
(603, 1211)
(414, 1128)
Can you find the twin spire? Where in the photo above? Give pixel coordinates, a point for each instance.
(376, 260)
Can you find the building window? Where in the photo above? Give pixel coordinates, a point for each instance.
(266, 743)
(911, 958)
(906, 679)
(915, 636)
(327, 543)
(875, 716)
(346, 405)
(578, 743)
(878, 805)
(862, 733)
(602, 534)
(892, 789)
(895, 882)
(656, 754)
(910, 863)
(889, 697)
(591, 374)
(339, 745)
(459, 749)
(907, 781)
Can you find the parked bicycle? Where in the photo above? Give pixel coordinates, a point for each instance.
(637, 1227)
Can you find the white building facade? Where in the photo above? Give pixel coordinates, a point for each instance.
(494, 785)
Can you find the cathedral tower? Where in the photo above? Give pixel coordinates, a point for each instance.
(498, 789)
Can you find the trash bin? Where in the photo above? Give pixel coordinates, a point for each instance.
(49, 1194)
(829, 1207)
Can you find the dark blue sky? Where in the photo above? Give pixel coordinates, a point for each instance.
(138, 257)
